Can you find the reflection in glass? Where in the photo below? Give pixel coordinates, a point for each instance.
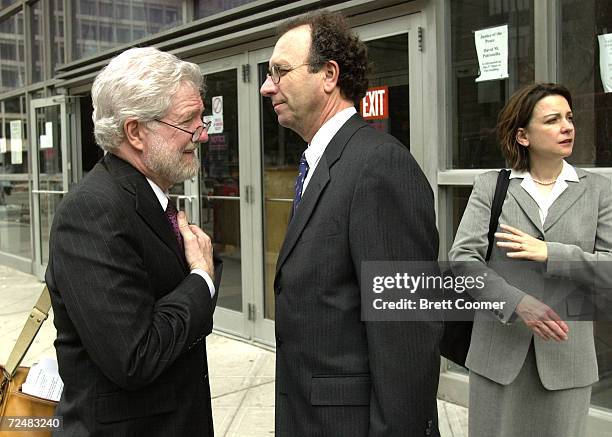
(475, 106)
(37, 42)
(579, 70)
(15, 133)
(15, 216)
(14, 184)
(6, 3)
(12, 60)
(99, 25)
(389, 67)
(48, 207)
(458, 198)
(220, 183)
(50, 178)
(57, 34)
(602, 390)
(206, 8)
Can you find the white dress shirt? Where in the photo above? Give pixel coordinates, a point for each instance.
(544, 201)
(163, 200)
(321, 139)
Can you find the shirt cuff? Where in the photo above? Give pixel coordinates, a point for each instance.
(209, 282)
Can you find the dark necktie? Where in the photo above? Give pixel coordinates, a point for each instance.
(299, 182)
(172, 216)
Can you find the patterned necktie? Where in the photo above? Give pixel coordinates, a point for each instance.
(172, 216)
(299, 182)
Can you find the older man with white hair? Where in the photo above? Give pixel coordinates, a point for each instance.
(133, 285)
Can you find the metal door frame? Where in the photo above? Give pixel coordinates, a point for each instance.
(263, 329)
(227, 320)
(38, 266)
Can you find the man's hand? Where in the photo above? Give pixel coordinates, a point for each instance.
(198, 247)
(541, 319)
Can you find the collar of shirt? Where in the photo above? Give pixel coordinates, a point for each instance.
(568, 173)
(159, 193)
(321, 139)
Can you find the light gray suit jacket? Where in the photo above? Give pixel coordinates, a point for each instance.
(578, 227)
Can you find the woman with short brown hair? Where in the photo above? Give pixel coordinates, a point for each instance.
(531, 367)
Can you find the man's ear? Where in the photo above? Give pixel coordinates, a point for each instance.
(134, 133)
(332, 74)
(521, 137)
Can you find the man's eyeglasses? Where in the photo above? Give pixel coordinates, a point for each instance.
(196, 134)
(275, 72)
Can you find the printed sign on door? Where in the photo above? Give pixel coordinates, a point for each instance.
(375, 104)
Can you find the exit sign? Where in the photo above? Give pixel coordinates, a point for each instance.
(375, 104)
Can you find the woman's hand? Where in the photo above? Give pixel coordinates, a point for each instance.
(521, 245)
(541, 319)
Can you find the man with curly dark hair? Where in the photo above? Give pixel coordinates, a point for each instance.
(359, 196)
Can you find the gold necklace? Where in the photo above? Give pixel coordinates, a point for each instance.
(544, 182)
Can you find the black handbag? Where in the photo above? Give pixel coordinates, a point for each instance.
(457, 335)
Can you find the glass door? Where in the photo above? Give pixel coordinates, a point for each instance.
(50, 151)
(395, 80)
(221, 196)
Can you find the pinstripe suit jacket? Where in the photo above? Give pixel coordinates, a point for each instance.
(130, 319)
(337, 375)
(577, 229)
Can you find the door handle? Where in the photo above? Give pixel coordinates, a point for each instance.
(49, 192)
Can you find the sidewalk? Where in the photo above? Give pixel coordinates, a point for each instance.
(241, 374)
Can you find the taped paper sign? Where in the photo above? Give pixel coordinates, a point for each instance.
(46, 140)
(216, 119)
(16, 142)
(605, 61)
(492, 50)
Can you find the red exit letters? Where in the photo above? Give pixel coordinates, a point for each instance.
(375, 104)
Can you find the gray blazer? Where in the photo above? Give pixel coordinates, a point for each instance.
(578, 228)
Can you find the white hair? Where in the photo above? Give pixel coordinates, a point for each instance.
(139, 83)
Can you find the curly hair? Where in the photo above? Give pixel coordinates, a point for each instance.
(333, 40)
(517, 114)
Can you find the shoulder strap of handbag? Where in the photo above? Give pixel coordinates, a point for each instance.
(503, 180)
(39, 314)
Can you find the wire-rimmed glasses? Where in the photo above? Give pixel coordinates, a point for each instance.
(196, 134)
(275, 72)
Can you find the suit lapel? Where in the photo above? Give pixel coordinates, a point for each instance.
(146, 203)
(572, 193)
(317, 185)
(526, 203)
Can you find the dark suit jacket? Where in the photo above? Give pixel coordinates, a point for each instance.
(337, 375)
(130, 319)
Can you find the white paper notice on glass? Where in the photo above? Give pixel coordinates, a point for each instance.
(43, 380)
(3, 148)
(216, 119)
(605, 61)
(16, 142)
(492, 51)
(46, 140)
